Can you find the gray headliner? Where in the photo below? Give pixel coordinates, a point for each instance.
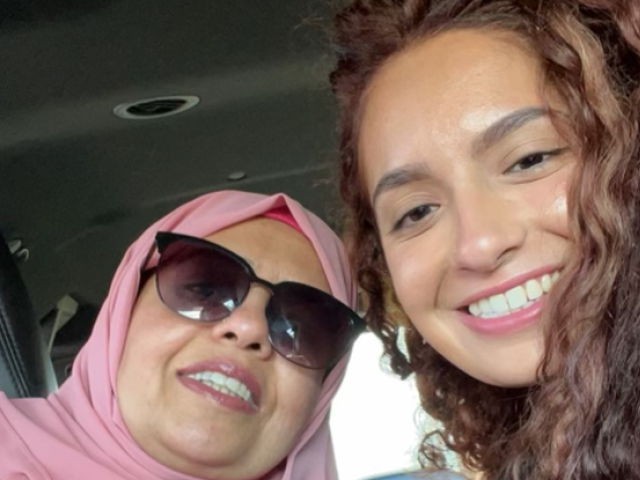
(78, 184)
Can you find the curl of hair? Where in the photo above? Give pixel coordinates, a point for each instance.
(582, 420)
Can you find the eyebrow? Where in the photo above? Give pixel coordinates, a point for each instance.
(400, 176)
(493, 134)
(506, 125)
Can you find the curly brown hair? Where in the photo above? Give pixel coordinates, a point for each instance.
(582, 420)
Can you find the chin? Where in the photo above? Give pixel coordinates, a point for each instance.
(514, 365)
(520, 378)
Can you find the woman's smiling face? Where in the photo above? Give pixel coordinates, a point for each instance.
(183, 423)
(468, 179)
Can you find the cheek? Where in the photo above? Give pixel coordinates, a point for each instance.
(153, 339)
(294, 400)
(415, 274)
(558, 212)
(133, 373)
(552, 206)
(298, 395)
(136, 364)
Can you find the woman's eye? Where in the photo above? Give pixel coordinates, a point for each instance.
(533, 160)
(413, 216)
(198, 290)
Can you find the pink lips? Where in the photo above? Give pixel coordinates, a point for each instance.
(504, 324)
(509, 323)
(229, 369)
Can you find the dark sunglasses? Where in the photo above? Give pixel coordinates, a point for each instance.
(205, 282)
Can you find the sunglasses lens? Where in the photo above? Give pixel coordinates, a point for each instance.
(307, 326)
(200, 282)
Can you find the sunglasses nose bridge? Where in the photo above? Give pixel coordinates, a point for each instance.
(264, 284)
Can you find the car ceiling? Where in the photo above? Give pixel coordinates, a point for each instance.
(79, 184)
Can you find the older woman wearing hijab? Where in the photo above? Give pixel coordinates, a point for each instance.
(215, 355)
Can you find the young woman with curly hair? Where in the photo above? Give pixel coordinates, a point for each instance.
(490, 165)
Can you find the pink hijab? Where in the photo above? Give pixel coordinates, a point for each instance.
(78, 433)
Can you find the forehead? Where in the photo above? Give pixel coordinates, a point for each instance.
(275, 251)
(444, 90)
(458, 65)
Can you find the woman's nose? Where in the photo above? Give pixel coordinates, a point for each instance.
(246, 326)
(490, 229)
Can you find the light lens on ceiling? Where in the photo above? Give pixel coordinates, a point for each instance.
(236, 176)
(157, 107)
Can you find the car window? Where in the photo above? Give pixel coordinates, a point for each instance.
(376, 421)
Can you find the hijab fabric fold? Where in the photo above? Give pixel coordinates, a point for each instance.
(78, 433)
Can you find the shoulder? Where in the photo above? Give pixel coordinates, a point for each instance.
(17, 460)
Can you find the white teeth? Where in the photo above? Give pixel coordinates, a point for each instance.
(514, 298)
(222, 383)
(534, 289)
(233, 384)
(485, 307)
(498, 303)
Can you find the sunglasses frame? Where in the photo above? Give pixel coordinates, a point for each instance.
(356, 324)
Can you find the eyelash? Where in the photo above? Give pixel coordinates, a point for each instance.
(542, 155)
(400, 224)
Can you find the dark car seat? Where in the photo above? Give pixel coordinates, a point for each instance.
(25, 365)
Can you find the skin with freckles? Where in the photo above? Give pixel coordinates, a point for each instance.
(194, 434)
(468, 179)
